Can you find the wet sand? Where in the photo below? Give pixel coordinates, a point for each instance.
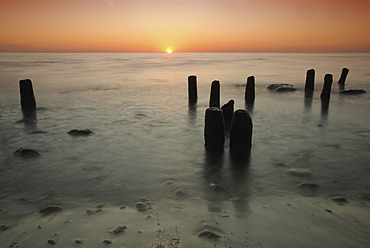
(268, 221)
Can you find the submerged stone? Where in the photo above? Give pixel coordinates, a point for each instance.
(51, 209)
(141, 206)
(352, 92)
(26, 153)
(340, 199)
(281, 87)
(208, 234)
(299, 172)
(118, 229)
(309, 186)
(80, 132)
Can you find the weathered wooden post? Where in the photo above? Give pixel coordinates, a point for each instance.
(241, 131)
(214, 129)
(310, 83)
(343, 76)
(228, 112)
(28, 101)
(250, 90)
(325, 93)
(214, 100)
(192, 89)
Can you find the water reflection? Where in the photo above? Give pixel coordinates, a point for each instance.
(226, 179)
(192, 114)
(29, 119)
(249, 107)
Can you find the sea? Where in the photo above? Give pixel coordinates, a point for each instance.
(148, 142)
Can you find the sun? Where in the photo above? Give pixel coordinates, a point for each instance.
(169, 50)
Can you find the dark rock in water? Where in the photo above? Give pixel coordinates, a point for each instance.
(4, 227)
(217, 187)
(309, 186)
(80, 132)
(52, 241)
(181, 193)
(281, 87)
(107, 241)
(340, 200)
(208, 234)
(299, 172)
(141, 206)
(353, 92)
(363, 196)
(26, 153)
(118, 229)
(51, 209)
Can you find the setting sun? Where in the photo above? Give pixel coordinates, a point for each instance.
(169, 50)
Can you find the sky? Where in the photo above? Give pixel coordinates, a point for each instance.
(185, 25)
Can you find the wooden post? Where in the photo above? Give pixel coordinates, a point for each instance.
(214, 100)
(28, 101)
(241, 131)
(249, 90)
(343, 76)
(325, 93)
(214, 129)
(192, 89)
(228, 112)
(310, 83)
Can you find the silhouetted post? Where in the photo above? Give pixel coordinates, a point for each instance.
(310, 83)
(192, 89)
(325, 93)
(343, 76)
(228, 112)
(214, 127)
(241, 131)
(249, 90)
(28, 101)
(214, 100)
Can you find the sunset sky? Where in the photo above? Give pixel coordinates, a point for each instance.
(185, 25)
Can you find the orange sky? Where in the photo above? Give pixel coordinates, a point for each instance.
(185, 25)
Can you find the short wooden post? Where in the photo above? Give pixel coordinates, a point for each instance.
(343, 76)
(228, 112)
(250, 90)
(28, 101)
(310, 83)
(241, 131)
(214, 129)
(325, 93)
(192, 89)
(214, 100)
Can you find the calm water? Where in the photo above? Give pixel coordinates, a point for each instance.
(148, 143)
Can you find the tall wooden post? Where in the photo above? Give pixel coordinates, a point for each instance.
(192, 89)
(325, 93)
(343, 76)
(28, 101)
(214, 129)
(310, 83)
(214, 99)
(250, 90)
(241, 131)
